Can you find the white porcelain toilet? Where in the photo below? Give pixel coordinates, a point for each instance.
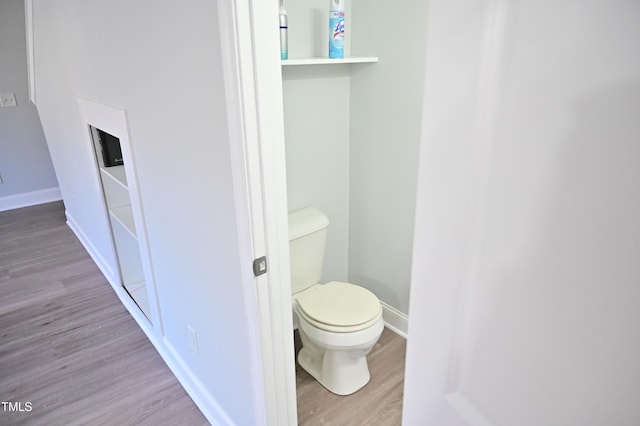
(338, 322)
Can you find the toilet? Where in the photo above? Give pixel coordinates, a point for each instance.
(339, 323)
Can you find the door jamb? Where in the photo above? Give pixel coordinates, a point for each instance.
(253, 85)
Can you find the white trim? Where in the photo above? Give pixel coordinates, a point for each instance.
(189, 381)
(253, 85)
(467, 410)
(114, 121)
(209, 406)
(103, 265)
(28, 199)
(111, 277)
(271, 152)
(31, 67)
(241, 121)
(328, 61)
(127, 301)
(394, 320)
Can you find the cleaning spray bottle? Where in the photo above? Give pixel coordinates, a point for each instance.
(336, 29)
(284, 32)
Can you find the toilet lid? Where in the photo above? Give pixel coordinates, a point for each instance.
(337, 304)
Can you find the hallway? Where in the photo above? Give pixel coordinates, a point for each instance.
(70, 353)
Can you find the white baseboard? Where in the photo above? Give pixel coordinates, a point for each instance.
(394, 320)
(32, 198)
(192, 385)
(103, 265)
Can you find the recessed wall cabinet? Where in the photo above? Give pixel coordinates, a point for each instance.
(128, 267)
(115, 189)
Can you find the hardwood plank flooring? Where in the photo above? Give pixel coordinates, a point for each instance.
(70, 349)
(378, 403)
(68, 346)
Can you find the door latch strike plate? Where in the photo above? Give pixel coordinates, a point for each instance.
(260, 266)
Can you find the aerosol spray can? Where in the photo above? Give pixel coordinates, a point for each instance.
(336, 29)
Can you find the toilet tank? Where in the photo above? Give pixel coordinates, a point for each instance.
(307, 238)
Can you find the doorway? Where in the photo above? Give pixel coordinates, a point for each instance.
(371, 163)
(351, 132)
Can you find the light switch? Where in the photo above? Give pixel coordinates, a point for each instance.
(7, 100)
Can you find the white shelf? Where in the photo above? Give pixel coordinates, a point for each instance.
(138, 292)
(134, 286)
(327, 61)
(124, 216)
(116, 173)
(119, 200)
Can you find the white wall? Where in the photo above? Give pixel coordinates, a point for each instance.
(308, 28)
(162, 63)
(25, 164)
(385, 110)
(544, 131)
(316, 108)
(352, 136)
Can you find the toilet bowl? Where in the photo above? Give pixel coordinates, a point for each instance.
(337, 338)
(339, 323)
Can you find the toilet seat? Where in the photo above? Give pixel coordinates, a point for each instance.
(338, 307)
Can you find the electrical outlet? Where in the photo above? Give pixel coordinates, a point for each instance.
(193, 338)
(7, 100)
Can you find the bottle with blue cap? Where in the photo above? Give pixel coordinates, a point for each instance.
(284, 30)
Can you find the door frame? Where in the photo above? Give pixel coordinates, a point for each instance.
(253, 86)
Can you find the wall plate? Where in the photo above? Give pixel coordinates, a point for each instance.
(8, 100)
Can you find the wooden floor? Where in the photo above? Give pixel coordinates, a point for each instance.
(69, 348)
(70, 354)
(379, 403)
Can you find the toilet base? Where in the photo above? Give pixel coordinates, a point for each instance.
(336, 371)
(342, 370)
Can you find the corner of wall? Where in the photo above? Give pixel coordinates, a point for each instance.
(394, 320)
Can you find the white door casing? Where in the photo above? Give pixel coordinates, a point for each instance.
(31, 76)
(253, 84)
